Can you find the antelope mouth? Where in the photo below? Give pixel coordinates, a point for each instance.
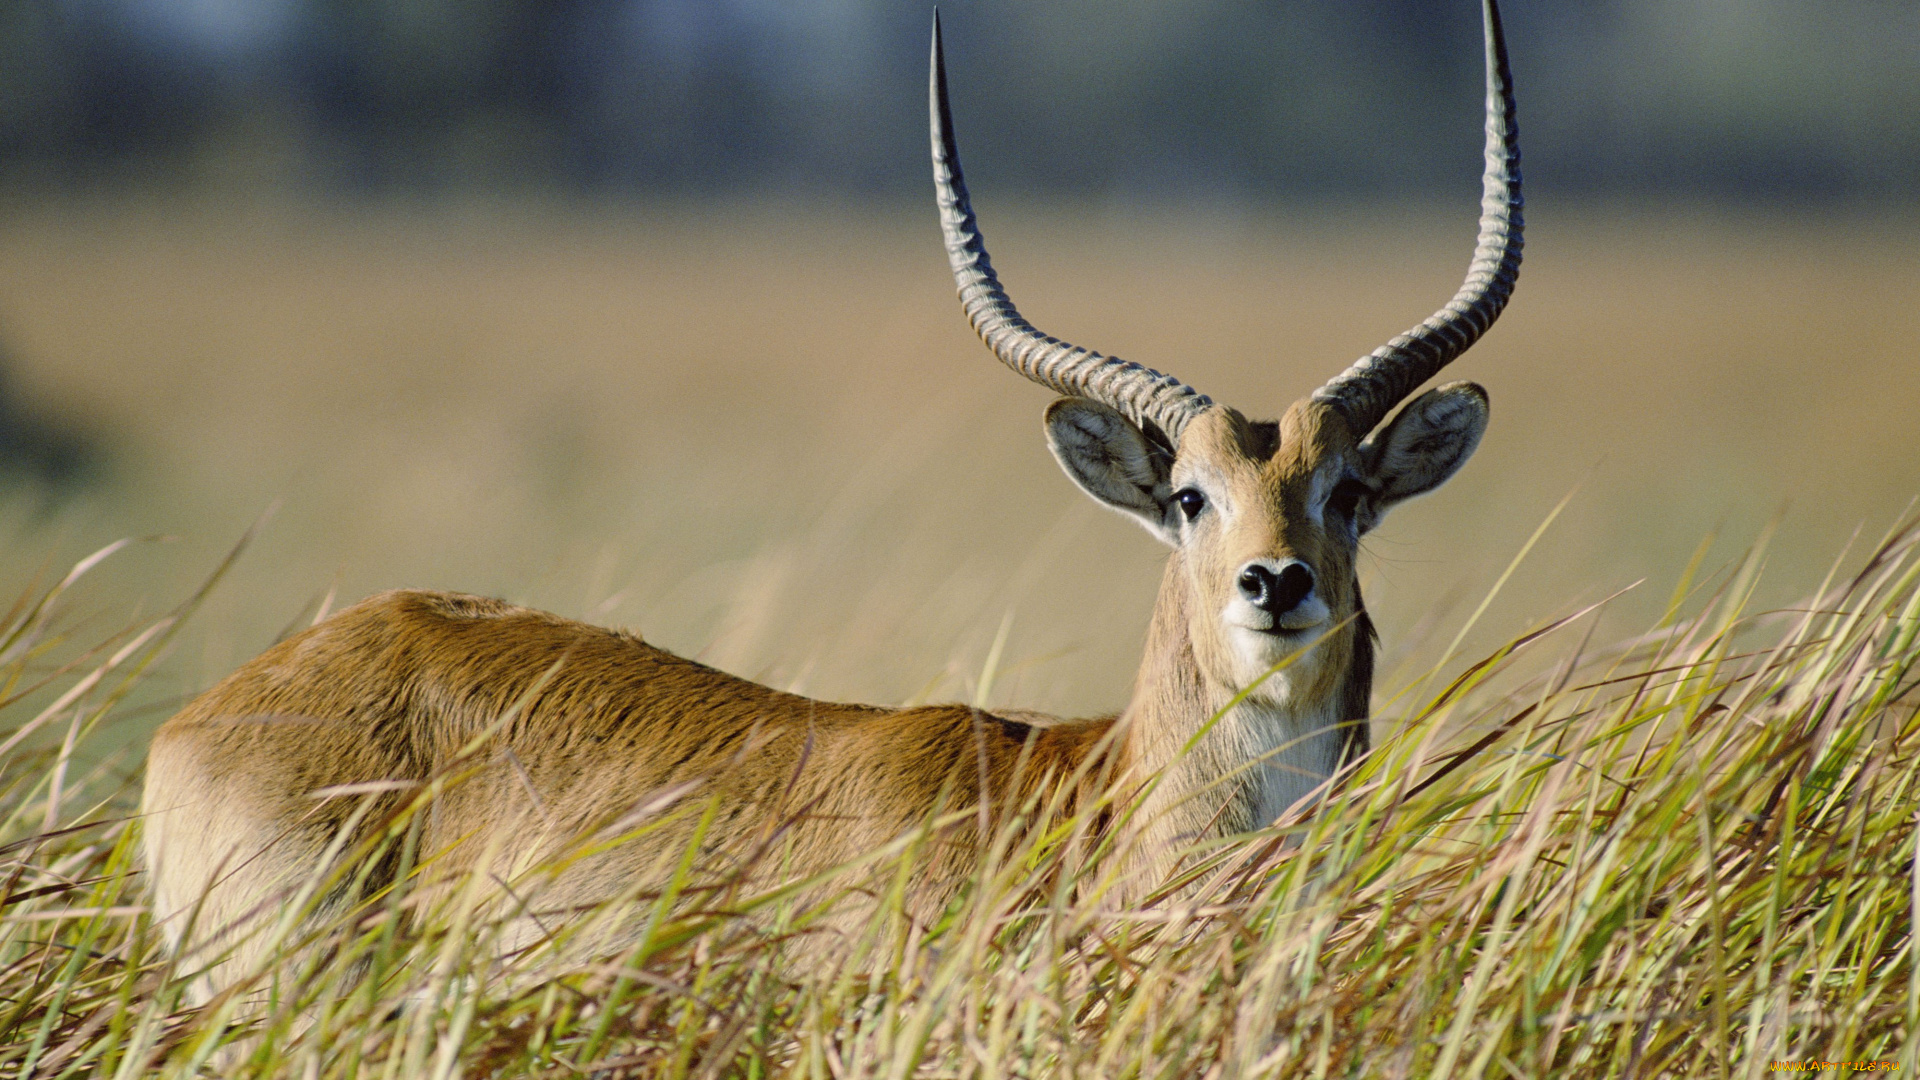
(1259, 651)
(1289, 636)
(1297, 625)
(1262, 647)
(1268, 625)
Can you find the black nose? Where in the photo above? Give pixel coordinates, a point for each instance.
(1275, 593)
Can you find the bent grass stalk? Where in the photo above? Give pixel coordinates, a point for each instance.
(1693, 852)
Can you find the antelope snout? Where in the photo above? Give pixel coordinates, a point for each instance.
(1275, 587)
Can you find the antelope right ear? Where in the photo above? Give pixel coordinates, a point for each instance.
(1424, 445)
(1113, 461)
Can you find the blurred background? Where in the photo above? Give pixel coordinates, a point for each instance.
(636, 309)
(1780, 101)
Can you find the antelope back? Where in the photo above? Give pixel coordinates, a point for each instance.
(573, 764)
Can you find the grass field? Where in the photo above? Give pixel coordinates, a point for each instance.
(765, 437)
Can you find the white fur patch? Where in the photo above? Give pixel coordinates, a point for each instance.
(1296, 750)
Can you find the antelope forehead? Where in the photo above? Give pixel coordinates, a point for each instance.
(1309, 489)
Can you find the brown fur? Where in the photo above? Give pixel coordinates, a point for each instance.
(393, 688)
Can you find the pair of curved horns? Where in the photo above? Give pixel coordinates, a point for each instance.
(1363, 394)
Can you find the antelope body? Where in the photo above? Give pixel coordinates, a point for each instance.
(579, 725)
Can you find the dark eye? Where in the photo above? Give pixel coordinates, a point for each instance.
(1191, 502)
(1346, 497)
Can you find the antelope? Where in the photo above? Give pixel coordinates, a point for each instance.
(1251, 696)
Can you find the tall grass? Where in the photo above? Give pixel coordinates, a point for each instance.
(1688, 853)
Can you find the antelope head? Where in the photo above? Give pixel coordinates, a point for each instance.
(1265, 521)
(1264, 518)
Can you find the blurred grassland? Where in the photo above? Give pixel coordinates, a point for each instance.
(762, 434)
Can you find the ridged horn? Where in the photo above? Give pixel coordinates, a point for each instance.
(1368, 390)
(1144, 395)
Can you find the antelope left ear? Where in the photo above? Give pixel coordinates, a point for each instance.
(1425, 444)
(1113, 461)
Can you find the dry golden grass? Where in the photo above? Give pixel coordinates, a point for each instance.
(764, 435)
(1689, 853)
(772, 442)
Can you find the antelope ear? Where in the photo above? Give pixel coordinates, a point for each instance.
(1113, 461)
(1424, 445)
